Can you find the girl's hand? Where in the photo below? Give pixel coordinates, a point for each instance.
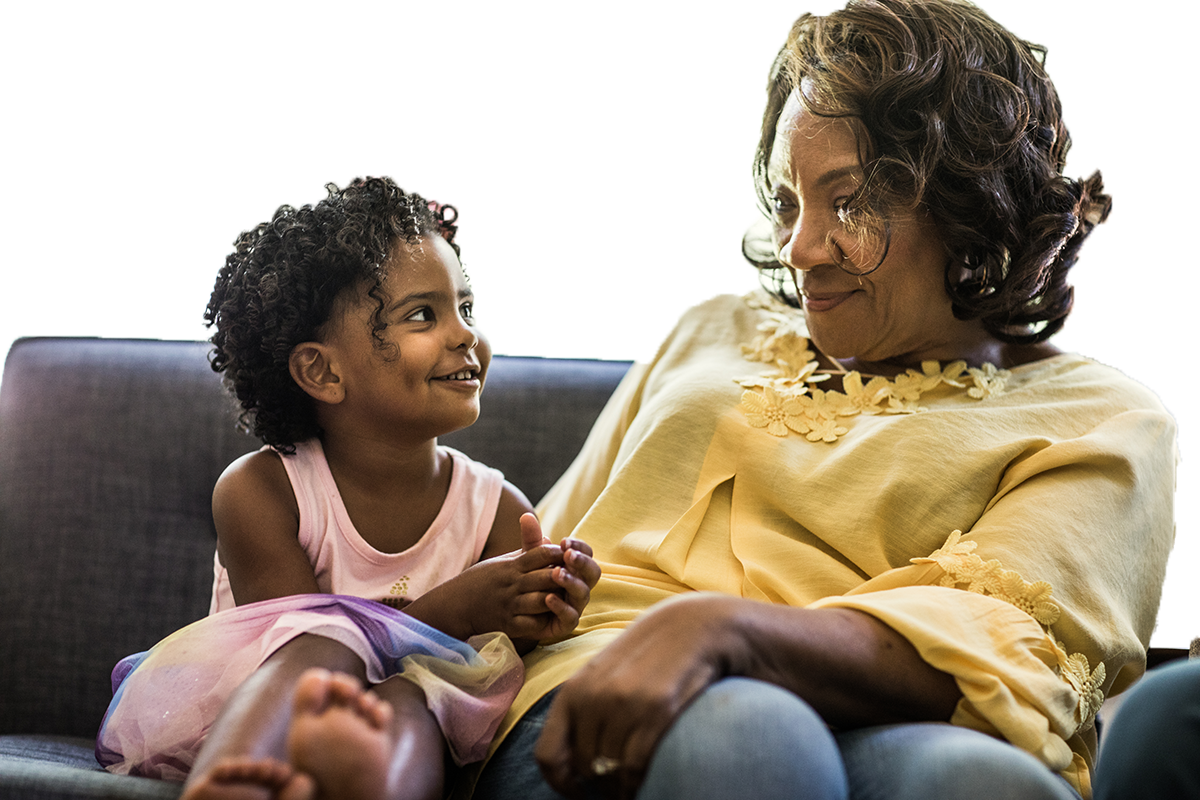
(617, 708)
(576, 577)
(534, 593)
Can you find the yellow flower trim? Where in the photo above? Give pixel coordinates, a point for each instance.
(965, 570)
(783, 399)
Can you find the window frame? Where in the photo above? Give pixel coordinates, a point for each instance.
(1143, 100)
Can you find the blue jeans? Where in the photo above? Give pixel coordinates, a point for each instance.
(748, 739)
(1152, 747)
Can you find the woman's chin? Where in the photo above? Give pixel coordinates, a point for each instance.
(838, 347)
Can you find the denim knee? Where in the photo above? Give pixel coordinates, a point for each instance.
(1150, 748)
(939, 761)
(746, 738)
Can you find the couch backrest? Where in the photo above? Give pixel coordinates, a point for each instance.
(108, 453)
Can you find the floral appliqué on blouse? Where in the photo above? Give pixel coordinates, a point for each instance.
(964, 569)
(784, 398)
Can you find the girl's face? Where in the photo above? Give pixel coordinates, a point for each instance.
(426, 379)
(900, 311)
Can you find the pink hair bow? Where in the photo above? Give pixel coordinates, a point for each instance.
(451, 210)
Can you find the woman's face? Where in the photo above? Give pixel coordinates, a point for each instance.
(898, 312)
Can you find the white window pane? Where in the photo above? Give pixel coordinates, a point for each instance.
(604, 149)
(137, 136)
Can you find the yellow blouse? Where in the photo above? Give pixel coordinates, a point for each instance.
(1017, 534)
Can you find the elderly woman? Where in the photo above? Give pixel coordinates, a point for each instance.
(870, 536)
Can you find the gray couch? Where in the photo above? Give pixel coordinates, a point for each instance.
(108, 453)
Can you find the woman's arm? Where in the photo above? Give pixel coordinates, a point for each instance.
(851, 668)
(258, 522)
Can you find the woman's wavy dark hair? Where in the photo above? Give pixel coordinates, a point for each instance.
(281, 283)
(962, 120)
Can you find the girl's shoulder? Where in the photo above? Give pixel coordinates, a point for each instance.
(257, 477)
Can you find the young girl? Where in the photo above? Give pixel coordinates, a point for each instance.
(346, 331)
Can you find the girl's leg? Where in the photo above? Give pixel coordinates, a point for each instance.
(1150, 749)
(253, 725)
(740, 738)
(353, 743)
(245, 756)
(938, 761)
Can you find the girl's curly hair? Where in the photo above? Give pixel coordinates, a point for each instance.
(281, 283)
(962, 120)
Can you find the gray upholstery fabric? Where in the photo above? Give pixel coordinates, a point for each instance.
(108, 453)
(536, 414)
(34, 767)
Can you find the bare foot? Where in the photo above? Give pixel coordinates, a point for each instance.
(250, 779)
(341, 735)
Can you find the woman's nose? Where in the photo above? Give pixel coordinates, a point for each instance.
(804, 244)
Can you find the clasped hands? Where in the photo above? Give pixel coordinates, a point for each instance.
(532, 594)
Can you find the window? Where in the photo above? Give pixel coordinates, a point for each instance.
(604, 148)
(604, 145)
(138, 137)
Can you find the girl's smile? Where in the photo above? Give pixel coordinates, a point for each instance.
(421, 375)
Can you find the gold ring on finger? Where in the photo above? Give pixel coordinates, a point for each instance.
(604, 765)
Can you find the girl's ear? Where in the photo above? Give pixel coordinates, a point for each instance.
(312, 368)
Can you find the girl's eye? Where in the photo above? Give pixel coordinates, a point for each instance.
(780, 204)
(468, 311)
(423, 314)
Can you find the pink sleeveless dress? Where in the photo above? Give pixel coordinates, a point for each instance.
(166, 699)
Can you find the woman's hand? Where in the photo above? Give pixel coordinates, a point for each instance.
(615, 710)
(850, 667)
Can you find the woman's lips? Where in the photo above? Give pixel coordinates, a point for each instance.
(824, 301)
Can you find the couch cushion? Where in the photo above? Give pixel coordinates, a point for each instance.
(57, 768)
(109, 450)
(535, 414)
(108, 454)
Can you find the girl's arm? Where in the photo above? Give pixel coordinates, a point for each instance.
(258, 523)
(853, 669)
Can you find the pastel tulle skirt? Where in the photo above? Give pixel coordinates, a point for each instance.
(166, 699)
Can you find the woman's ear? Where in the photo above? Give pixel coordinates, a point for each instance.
(312, 367)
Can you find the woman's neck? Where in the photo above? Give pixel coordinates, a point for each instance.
(991, 351)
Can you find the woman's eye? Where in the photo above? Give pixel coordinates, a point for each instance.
(780, 205)
(842, 204)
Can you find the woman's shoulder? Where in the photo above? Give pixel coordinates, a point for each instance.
(1074, 375)
(722, 323)
(736, 309)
